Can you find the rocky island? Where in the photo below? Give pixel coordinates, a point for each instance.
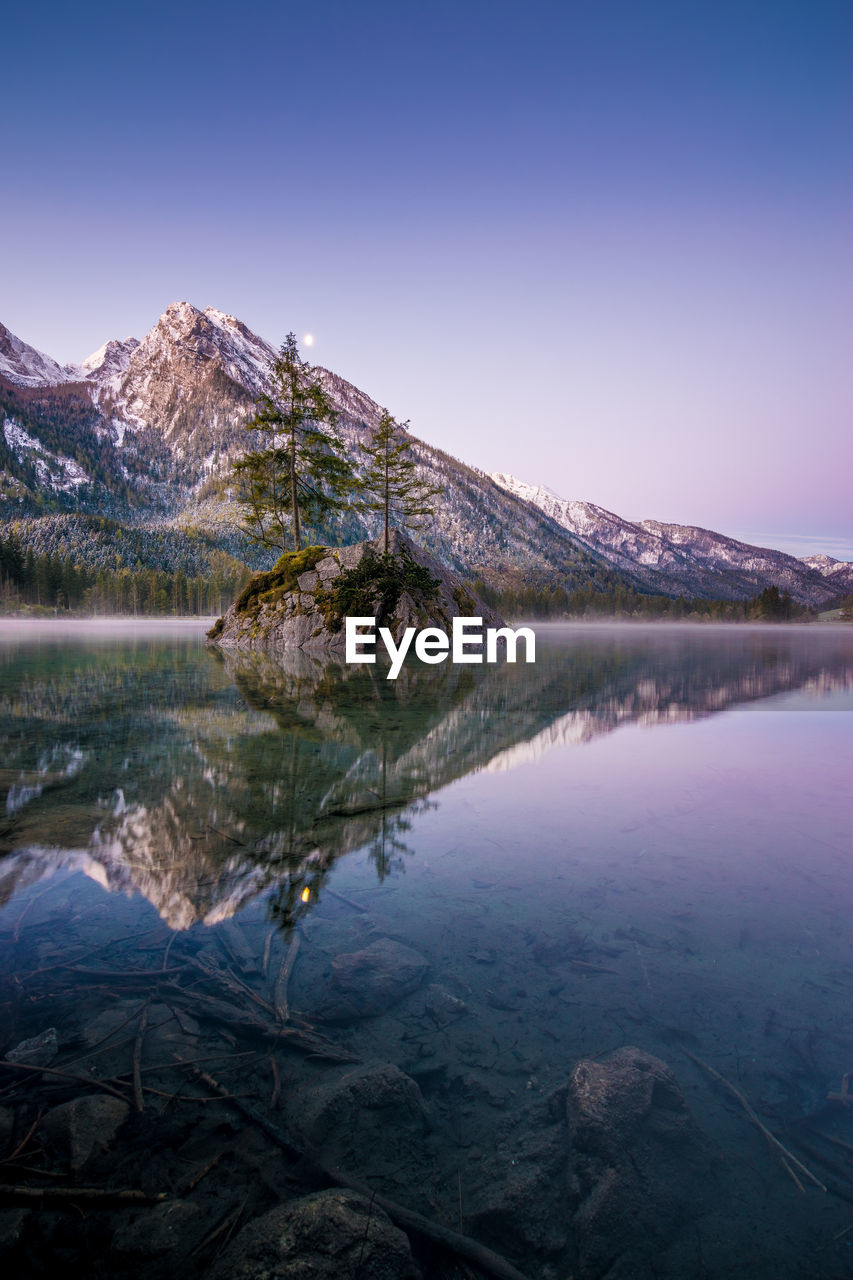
(301, 603)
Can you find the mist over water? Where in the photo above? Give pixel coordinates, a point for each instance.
(643, 839)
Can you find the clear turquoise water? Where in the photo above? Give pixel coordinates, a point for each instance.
(644, 838)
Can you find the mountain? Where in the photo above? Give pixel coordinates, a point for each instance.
(677, 559)
(154, 427)
(106, 367)
(838, 573)
(28, 367)
(125, 458)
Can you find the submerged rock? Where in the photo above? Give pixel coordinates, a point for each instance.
(332, 1235)
(173, 1225)
(520, 1198)
(442, 1006)
(38, 1051)
(301, 603)
(367, 982)
(84, 1127)
(164, 1035)
(637, 1158)
(371, 1121)
(365, 1107)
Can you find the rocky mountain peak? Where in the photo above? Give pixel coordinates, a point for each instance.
(106, 366)
(225, 321)
(195, 373)
(824, 564)
(110, 353)
(185, 335)
(179, 313)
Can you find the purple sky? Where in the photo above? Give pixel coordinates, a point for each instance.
(604, 246)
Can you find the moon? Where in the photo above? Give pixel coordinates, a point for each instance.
(308, 339)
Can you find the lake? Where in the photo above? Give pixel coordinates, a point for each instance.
(555, 955)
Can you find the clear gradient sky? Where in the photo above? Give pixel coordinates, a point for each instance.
(602, 244)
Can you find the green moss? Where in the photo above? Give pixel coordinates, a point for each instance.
(268, 588)
(373, 587)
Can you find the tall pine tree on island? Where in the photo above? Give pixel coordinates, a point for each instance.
(390, 479)
(300, 469)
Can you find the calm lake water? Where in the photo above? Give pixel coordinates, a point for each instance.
(644, 839)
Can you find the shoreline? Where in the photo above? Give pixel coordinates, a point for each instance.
(197, 622)
(16, 626)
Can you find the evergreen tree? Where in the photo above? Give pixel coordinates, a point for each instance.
(299, 470)
(390, 479)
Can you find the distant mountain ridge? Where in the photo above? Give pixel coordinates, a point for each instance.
(693, 561)
(145, 433)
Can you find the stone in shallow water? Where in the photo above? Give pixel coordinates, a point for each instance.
(169, 1226)
(84, 1127)
(380, 1089)
(443, 1007)
(518, 1197)
(39, 1051)
(367, 982)
(628, 1093)
(639, 1163)
(373, 1122)
(332, 1235)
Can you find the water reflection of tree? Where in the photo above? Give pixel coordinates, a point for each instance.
(387, 848)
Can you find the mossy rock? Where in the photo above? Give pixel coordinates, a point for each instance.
(403, 587)
(269, 587)
(373, 587)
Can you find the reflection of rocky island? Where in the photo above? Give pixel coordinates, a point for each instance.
(202, 781)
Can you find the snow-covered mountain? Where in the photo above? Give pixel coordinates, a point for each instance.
(147, 431)
(838, 573)
(684, 559)
(106, 367)
(178, 363)
(27, 367)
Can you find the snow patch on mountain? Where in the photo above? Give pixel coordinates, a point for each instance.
(52, 470)
(19, 439)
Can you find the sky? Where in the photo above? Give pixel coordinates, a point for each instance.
(603, 245)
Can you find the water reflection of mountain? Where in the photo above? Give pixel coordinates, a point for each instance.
(202, 781)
